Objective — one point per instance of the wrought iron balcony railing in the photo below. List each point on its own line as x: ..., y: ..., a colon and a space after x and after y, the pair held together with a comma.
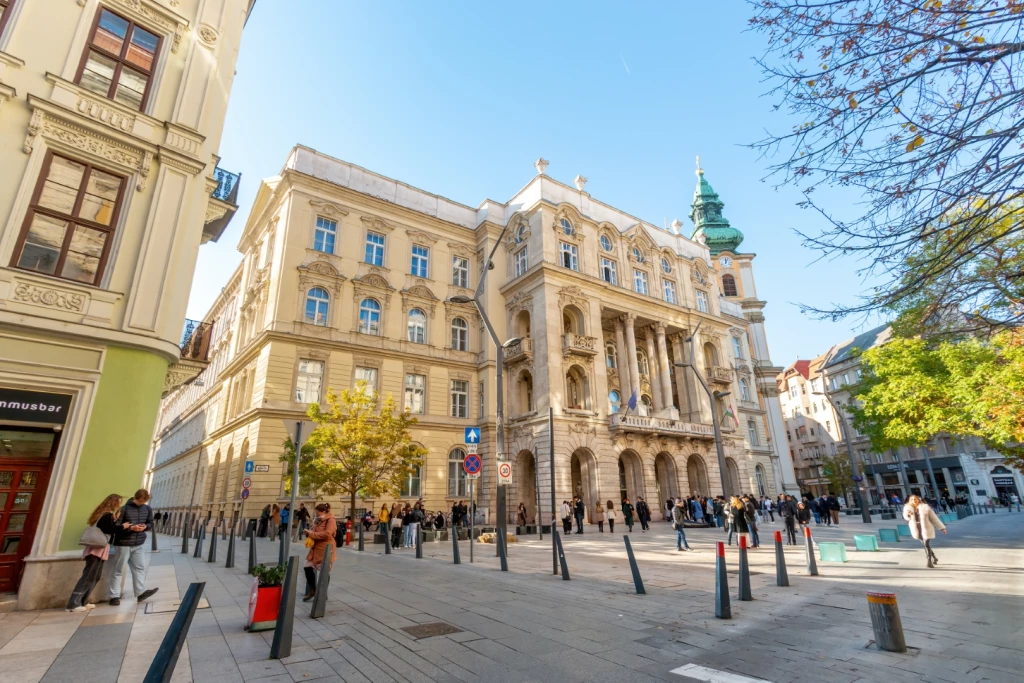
x: 227, y: 185
x: 195, y: 340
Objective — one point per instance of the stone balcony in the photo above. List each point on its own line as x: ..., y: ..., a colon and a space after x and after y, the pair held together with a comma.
x: 580, y: 344
x: 522, y: 349
x: 195, y: 355
x: 620, y: 422
x: 720, y: 375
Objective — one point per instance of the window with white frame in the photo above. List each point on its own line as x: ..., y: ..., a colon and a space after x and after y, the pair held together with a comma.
x: 420, y: 261
x: 374, y: 249
x: 744, y: 390
x: 666, y: 265
x: 640, y: 282
x: 323, y: 236
x: 411, y: 484
x: 670, y: 291
x: 606, y: 243
x: 460, y: 335
x: 522, y: 263
x: 570, y: 255
x: 609, y: 271
x: 737, y: 347
x: 369, y: 317
x: 638, y: 255
x: 368, y: 375
x: 702, y: 300
x: 460, y: 398
x: 567, y: 227
x: 417, y: 326
x: 752, y: 433
x: 460, y: 271
x: 309, y: 381
x: 457, y: 487
x: 318, y: 303
x: 415, y: 393
x: 609, y: 354
x: 614, y: 399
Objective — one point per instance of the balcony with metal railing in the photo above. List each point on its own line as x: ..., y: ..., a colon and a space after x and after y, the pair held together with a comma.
x: 195, y: 355
x: 222, y: 205
x: 522, y: 349
x: 621, y: 422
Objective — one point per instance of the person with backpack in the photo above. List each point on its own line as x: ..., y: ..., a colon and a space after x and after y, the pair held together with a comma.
x: 102, y: 524
x: 135, y: 519
x: 833, y: 509
x: 787, y: 509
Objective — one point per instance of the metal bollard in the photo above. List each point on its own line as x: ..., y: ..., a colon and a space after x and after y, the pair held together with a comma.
x: 744, y: 578
x: 387, y: 538
x: 153, y: 547
x: 637, y: 581
x: 162, y: 668
x: 456, y: 558
x: 361, y: 543
x: 502, y: 553
x: 199, y: 543
x: 184, y: 538
x: 229, y: 563
x: 723, y: 610
x: 252, y: 550
x: 561, y: 554
x: 282, y: 558
x: 213, y: 547
x: 812, y: 565
x: 781, y: 575
x: 885, y: 620
x: 419, y: 541
x: 323, y: 583
x: 282, y: 645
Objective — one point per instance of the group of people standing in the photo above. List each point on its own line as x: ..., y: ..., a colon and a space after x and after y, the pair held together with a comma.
x: 606, y: 512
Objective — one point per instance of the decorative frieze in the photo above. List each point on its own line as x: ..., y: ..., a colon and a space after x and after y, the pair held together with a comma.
x: 61, y: 300
x: 155, y: 16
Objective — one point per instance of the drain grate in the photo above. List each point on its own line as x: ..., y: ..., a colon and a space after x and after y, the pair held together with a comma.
x: 437, y: 628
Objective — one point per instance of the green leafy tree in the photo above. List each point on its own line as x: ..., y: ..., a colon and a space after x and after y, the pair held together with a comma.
x: 836, y: 469
x: 356, y: 450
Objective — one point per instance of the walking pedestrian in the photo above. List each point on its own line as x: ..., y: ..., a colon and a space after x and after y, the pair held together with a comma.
x: 104, y: 519
x: 678, y: 517
x: 135, y: 520
x: 302, y: 517
x: 566, y: 517
x: 833, y: 509
x: 769, y: 507
x: 264, y: 522
x: 627, y: 514
x: 1015, y: 500
x: 739, y: 519
x: 284, y: 515
x: 580, y: 511
x: 275, y: 522
x: 321, y: 533
x: 599, y: 517
x: 521, y: 515
x: 788, y: 512
x: 612, y: 515
x: 643, y: 513
x: 923, y: 522
x: 814, y: 509
x: 670, y: 506
x: 750, y: 512
x: 719, y: 505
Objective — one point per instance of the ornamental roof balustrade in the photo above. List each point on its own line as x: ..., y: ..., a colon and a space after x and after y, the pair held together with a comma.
x: 621, y: 422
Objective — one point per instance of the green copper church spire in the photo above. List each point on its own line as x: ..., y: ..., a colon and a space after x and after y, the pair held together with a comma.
x: 706, y: 214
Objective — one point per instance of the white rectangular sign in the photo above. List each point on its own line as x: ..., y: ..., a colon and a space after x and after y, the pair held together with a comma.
x: 504, y: 473
x: 472, y: 448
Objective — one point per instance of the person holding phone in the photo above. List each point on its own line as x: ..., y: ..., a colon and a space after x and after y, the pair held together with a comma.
x: 135, y: 520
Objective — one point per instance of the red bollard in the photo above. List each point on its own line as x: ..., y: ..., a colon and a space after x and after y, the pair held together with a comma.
x: 812, y: 566
x: 744, y: 592
x: 722, y: 608
x: 348, y: 532
x: 781, y: 576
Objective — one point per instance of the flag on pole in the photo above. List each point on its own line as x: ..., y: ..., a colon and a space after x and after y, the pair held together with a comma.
x: 730, y: 413
x: 632, y: 401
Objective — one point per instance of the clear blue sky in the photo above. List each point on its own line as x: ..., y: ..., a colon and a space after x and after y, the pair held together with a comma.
x: 460, y: 98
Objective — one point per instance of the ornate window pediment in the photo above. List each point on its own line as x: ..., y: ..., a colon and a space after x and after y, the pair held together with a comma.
x: 699, y: 272
x: 376, y: 223
x: 328, y: 209
x: 319, y: 273
x: 571, y: 294
x: 518, y: 232
x: 568, y: 224
x: 461, y: 250
x: 419, y: 296
x: 420, y: 237
x: 375, y: 285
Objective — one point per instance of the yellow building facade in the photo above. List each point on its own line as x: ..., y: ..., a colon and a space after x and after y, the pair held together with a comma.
x: 348, y: 275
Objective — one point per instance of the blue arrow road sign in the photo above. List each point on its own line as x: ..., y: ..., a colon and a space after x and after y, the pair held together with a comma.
x: 472, y: 435
x: 250, y: 466
x: 472, y: 464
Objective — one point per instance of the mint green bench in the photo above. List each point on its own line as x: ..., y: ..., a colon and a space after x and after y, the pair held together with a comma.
x: 888, y: 536
x: 903, y: 529
x: 832, y: 552
x: 865, y: 542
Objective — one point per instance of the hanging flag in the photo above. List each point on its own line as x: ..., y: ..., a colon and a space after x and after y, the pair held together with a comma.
x: 729, y: 413
x: 632, y: 401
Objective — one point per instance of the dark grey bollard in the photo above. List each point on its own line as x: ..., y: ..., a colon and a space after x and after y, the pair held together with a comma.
x: 885, y: 620
x: 223, y: 529
x: 723, y: 610
x: 153, y: 547
x: 184, y: 538
x: 323, y: 583
x: 418, y: 541
x: 387, y: 538
x: 199, y: 543
x: 252, y: 550
x: 638, y: 582
x: 502, y: 552
x: 212, y: 557
x: 282, y: 645
x: 812, y: 565
x: 229, y: 563
x: 361, y: 530
x: 781, y: 575
x: 457, y: 559
x: 162, y: 668
x: 281, y: 557
x: 561, y: 554
x: 744, y: 594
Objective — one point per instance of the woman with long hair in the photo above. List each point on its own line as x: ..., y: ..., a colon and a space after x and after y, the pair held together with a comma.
x: 923, y: 522
x: 104, y: 517
x: 737, y: 519
x: 322, y: 532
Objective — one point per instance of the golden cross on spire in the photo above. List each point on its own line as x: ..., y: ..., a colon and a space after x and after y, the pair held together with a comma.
x: 700, y: 171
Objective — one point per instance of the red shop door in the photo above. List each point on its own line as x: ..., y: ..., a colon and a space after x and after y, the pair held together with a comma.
x: 25, y: 461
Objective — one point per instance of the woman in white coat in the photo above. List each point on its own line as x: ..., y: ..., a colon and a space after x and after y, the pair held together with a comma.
x: 923, y: 522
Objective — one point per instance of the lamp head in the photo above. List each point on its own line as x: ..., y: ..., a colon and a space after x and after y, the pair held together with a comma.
x: 721, y: 394
x: 460, y: 299
x: 511, y: 342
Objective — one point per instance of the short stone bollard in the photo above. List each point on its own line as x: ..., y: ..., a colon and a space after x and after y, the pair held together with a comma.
x: 888, y: 536
x: 885, y: 620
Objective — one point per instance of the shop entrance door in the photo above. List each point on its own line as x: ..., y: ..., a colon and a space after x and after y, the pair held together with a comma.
x: 26, y: 456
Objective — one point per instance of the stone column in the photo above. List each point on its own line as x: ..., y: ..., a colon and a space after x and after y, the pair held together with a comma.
x: 950, y: 485
x: 634, y: 368
x: 682, y: 383
x: 625, y: 381
x: 666, y: 376
x: 652, y: 369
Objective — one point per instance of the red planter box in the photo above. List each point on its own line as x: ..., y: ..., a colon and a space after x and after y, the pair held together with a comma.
x: 264, y: 604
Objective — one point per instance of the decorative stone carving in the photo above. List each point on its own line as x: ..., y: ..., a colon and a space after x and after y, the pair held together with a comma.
x: 459, y: 249
x: 420, y: 236
x: 419, y: 296
x: 327, y: 209
x: 520, y: 301
x: 129, y: 158
x: 582, y: 428
x: 148, y: 12
x: 317, y: 273
x: 754, y: 316
x: 106, y: 114
x: 207, y: 35
x: 459, y: 374
x: 376, y: 223
x: 144, y: 168
x: 571, y: 294
x: 51, y: 298
x: 313, y: 353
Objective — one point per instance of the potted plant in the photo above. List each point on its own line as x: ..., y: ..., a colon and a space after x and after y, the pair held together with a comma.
x: 265, y: 597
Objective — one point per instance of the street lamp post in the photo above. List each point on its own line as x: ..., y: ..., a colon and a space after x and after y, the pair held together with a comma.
x: 712, y: 396
x: 862, y: 499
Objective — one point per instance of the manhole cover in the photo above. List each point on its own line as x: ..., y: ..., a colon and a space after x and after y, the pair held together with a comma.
x: 437, y: 628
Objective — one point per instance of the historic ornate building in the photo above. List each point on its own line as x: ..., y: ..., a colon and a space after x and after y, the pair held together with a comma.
x: 111, y: 114
x: 348, y: 275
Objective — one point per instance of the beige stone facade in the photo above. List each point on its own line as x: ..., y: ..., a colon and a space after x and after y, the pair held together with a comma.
x: 348, y: 275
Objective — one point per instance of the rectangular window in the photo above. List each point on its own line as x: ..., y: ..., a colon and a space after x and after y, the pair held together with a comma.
x: 415, y: 386
x: 522, y: 264
x: 702, y: 301
x: 752, y: 433
x: 420, y: 261
x: 670, y: 292
x: 374, y: 249
x: 411, y: 485
x: 323, y: 237
x: 368, y: 375
x: 640, y: 282
x: 460, y: 398
x: 311, y: 377
x: 119, y: 60
x: 737, y: 347
x: 570, y: 255
x: 609, y: 272
x: 70, y: 222
x: 460, y: 271
x: 5, y: 11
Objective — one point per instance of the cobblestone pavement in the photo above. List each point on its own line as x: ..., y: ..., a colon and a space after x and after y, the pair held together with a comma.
x: 961, y: 619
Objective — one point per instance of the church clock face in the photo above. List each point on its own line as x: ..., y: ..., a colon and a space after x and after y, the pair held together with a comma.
x: 725, y: 261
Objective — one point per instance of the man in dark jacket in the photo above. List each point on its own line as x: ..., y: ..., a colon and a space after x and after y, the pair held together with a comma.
x: 136, y: 518
x: 579, y: 511
x: 787, y: 508
x: 833, y: 509
x: 644, y: 513
x: 750, y: 512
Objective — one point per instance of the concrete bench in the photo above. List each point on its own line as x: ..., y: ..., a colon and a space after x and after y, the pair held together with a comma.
x: 903, y: 530
x: 832, y: 552
x: 888, y: 536
x: 865, y: 542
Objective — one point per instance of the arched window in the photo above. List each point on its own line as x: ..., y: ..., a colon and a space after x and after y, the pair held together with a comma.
x: 567, y: 227
x: 646, y: 401
x: 613, y: 400
x: 606, y: 243
x: 729, y: 285
x: 456, y: 474
x: 665, y: 265
x: 460, y: 335
x: 577, y: 389
x: 411, y: 484
x: 369, y: 317
x: 318, y: 303
x: 638, y: 255
x: 417, y: 326
x: 641, y: 361
x: 744, y: 390
x: 609, y: 354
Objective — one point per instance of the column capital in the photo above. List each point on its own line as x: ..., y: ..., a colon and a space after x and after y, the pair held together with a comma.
x: 629, y: 318
x: 659, y: 327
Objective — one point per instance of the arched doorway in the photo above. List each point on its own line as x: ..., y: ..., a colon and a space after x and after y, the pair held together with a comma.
x: 583, y: 467
x: 526, y: 486
x: 733, y: 474
x: 697, y: 475
x: 710, y: 355
x: 666, y: 480
x: 631, y: 476
x: 573, y: 320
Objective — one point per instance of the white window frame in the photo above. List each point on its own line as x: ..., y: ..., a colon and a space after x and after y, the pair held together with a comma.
x: 755, y: 440
x: 702, y: 301
x: 460, y: 271
x: 458, y: 486
x: 609, y: 271
x: 416, y: 475
x: 737, y: 347
x: 325, y: 227
x: 459, y: 398
x: 308, y: 384
x: 374, y: 254
x: 325, y: 301
x: 669, y: 287
x: 370, y: 375
x: 640, y: 282
x: 460, y: 335
x: 415, y: 387
x: 420, y: 262
x: 417, y: 334
x: 565, y: 250
x: 744, y: 390
x: 522, y: 262
x: 369, y: 326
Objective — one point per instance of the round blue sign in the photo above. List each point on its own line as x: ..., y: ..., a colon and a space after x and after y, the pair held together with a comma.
x: 245, y: 493
x: 472, y: 464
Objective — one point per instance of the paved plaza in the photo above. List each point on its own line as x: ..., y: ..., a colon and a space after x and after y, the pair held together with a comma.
x: 962, y: 620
